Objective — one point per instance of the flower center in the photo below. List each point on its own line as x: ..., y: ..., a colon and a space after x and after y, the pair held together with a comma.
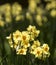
x: 21, y: 51
x: 24, y: 37
x: 17, y: 36
x: 38, y: 52
x: 46, y: 49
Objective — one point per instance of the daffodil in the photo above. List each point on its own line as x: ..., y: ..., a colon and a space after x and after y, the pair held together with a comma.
x: 46, y: 52
x: 2, y: 23
x: 17, y: 36
x: 34, y: 46
x: 39, y: 19
x: 38, y: 52
x: 25, y: 44
x: 45, y: 47
x: 21, y: 51
x: 8, y: 19
x: 25, y: 36
x: 10, y: 40
x: 19, y: 17
x: 32, y: 51
x: 31, y: 28
x: 33, y: 32
x: 37, y: 43
x: 53, y: 13
x: 32, y: 6
x: 16, y: 9
x: 28, y: 16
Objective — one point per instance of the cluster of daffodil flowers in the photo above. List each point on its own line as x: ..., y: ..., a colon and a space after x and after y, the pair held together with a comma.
x: 40, y: 52
x: 35, y: 11
x: 26, y: 41
x: 51, y: 7
x: 9, y: 12
x: 39, y: 12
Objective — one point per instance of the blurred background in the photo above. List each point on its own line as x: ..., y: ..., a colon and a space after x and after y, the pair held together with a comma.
x: 18, y: 15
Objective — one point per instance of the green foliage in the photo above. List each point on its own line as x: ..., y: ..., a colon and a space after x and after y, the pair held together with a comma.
x: 47, y: 34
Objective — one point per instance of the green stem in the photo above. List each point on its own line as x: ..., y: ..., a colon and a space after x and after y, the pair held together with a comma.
x: 3, y: 59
